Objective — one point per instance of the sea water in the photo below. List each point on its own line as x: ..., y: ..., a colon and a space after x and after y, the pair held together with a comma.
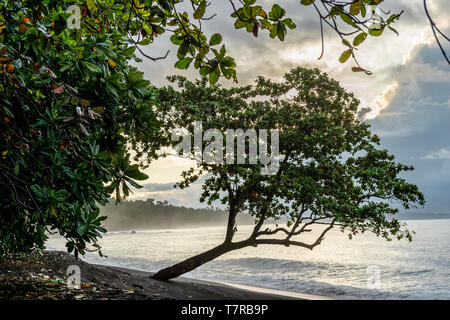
x: 366, y: 267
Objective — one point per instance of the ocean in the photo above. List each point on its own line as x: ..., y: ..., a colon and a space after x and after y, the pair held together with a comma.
x: 365, y: 267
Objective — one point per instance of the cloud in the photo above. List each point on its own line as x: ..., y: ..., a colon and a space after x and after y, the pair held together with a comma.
x: 441, y: 154
x: 156, y: 187
x: 417, y: 101
x: 415, y: 123
x: 382, y: 101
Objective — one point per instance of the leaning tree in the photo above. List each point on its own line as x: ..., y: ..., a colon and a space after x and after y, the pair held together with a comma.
x: 332, y: 173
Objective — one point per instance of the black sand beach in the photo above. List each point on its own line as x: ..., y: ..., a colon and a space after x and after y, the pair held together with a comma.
x: 44, y: 278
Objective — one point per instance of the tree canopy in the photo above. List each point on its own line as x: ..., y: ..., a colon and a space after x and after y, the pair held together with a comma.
x: 70, y: 104
x: 333, y: 173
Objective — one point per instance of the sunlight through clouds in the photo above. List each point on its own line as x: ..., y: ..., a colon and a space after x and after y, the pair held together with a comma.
x: 382, y: 101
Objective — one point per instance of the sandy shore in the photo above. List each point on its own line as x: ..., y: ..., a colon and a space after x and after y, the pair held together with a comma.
x: 109, y: 282
x: 187, y: 288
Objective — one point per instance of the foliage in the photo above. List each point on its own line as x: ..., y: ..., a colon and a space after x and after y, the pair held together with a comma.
x: 145, y: 21
x: 352, y: 21
x: 70, y: 103
x: 333, y: 172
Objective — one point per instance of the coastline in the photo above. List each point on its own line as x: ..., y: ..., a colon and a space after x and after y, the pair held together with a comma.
x: 228, y: 290
x: 44, y: 278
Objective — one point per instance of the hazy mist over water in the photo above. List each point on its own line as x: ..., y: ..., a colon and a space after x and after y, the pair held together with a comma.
x: 151, y: 214
x: 337, y: 268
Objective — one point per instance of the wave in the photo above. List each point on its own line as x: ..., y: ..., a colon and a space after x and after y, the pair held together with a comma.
x: 415, y: 272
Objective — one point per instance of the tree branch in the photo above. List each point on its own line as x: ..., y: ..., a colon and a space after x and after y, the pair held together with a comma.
x: 435, y: 29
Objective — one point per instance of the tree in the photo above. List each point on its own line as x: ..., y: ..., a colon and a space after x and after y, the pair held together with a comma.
x: 332, y: 175
x: 72, y: 106
x: 69, y: 104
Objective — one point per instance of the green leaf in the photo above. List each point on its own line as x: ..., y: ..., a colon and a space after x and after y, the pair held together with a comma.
x: 246, y: 12
x: 183, y: 50
x: 198, y: 14
x: 145, y: 42
x: 91, y: 5
x: 222, y: 52
x: 134, y: 173
x: 125, y: 189
x: 81, y: 230
x: 204, y: 71
x: 359, y: 39
x: 129, y: 51
x: 66, y: 67
x: 345, y: 56
x: 392, y: 18
x: 266, y: 23
x: 363, y: 10
x: 307, y: 2
x: 345, y: 17
x: 70, y: 246
x: 289, y: 23
x: 214, y: 76
x: 256, y: 10
x: 274, y: 31
x: 376, y: 32
x: 355, y: 8
x: 239, y: 24
x: 183, y: 63
x: 228, y: 62
x: 276, y: 13
x: 134, y: 184
x: 281, y: 31
x: 175, y: 40
x: 216, y: 39
x: 92, y: 67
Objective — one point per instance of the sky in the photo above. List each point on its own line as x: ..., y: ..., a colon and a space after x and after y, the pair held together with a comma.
x: 406, y: 99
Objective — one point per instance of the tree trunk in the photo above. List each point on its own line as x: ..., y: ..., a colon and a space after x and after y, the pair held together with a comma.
x: 196, y: 261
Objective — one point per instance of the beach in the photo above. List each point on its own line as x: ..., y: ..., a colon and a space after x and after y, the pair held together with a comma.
x: 338, y: 268
x: 102, y: 282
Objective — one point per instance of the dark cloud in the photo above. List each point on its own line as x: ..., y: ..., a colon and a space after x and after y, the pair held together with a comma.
x: 156, y: 187
x: 363, y: 112
x: 416, y: 125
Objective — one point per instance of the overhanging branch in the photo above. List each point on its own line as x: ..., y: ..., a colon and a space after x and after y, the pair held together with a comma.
x: 436, y: 31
